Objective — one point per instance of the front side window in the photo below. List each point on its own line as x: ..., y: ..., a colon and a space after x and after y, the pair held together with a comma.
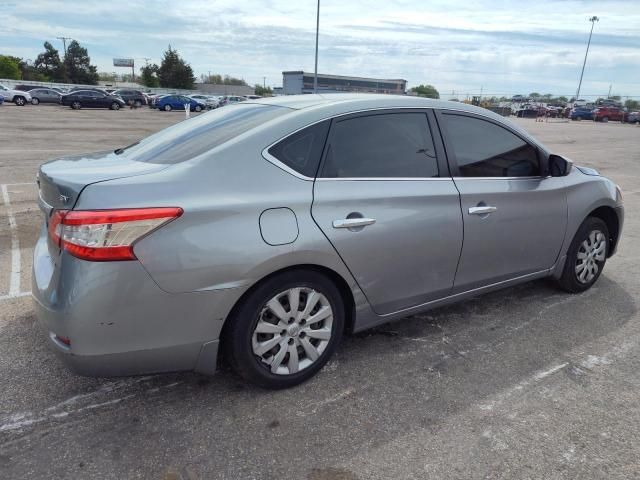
x: 377, y: 146
x: 484, y: 149
x: 302, y: 150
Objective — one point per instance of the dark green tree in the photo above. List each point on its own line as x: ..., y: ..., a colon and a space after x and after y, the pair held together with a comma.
x: 632, y: 105
x: 10, y: 68
x: 260, y: 90
x: 426, y: 91
x: 49, y: 65
x: 534, y: 95
x: 149, y: 76
x: 77, y: 64
x: 174, y: 72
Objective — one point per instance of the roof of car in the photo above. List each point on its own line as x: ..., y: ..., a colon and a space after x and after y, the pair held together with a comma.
x: 321, y: 106
x: 356, y: 101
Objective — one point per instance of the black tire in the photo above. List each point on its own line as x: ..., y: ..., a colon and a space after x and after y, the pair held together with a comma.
x: 19, y: 100
x: 198, y: 108
x: 35, y: 101
x: 76, y: 105
x: 167, y: 108
x: 115, y: 106
x: 239, y: 330
x: 569, y: 280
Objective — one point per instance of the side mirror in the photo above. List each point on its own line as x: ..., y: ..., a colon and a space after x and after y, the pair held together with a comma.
x: 559, y: 166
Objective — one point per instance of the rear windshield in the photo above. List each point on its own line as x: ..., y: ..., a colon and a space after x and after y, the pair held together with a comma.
x: 191, y: 138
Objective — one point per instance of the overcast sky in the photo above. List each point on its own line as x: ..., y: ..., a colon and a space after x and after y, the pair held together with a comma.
x: 503, y: 47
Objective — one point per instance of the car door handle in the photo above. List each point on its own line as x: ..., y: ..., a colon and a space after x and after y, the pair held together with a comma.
x: 482, y: 210
x: 353, y: 222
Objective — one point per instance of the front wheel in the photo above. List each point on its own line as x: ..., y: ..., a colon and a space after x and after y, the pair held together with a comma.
x: 167, y: 108
x: 76, y: 105
x: 35, y: 101
x: 115, y: 106
x: 285, y: 330
x: 19, y: 101
x: 586, y: 256
x: 198, y: 108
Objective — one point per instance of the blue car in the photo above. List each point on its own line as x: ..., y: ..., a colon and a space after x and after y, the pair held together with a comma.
x: 581, y: 113
x: 177, y: 102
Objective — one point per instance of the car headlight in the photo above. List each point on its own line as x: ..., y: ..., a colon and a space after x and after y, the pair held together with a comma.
x: 618, y: 194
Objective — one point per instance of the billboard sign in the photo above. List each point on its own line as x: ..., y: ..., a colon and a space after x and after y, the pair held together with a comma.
x: 123, y: 62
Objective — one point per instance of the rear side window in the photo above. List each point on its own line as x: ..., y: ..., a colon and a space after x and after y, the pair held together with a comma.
x: 484, y: 149
x: 387, y: 145
x: 302, y: 150
x: 198, y: 135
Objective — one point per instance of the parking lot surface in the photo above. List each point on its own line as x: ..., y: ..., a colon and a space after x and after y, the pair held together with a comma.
x: 525, y: 383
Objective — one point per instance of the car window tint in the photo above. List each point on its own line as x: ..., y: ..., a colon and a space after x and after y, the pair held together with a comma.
x: 388, y: 145
x: 302, y: 150
x: 198, y: 135
x: 484, y: 149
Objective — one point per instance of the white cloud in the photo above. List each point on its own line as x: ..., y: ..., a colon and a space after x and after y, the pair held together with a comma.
x: 501, y: 46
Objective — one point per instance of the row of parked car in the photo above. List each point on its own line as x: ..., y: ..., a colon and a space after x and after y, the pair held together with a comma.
x: 599, y: 113
x: 114, y: 99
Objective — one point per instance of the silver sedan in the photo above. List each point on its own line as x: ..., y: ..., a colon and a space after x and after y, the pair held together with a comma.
x: 266, y: 230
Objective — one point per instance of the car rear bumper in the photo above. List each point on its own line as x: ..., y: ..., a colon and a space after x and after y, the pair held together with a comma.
x: 119, y: 322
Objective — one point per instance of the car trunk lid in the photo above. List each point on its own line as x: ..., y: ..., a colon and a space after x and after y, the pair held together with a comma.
x: 61, y: 181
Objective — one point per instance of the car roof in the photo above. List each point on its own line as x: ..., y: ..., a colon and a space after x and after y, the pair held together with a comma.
x: 314, y: 107
x: 362, y: 101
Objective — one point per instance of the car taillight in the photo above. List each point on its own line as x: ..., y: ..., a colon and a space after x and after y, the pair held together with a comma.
x: 106, y: 235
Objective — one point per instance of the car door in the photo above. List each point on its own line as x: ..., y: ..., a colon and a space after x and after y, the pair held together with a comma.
x: 514, y: 216
x: 384, y: 199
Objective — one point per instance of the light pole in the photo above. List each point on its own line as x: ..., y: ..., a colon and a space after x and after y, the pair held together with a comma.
x: 315, y: 72
x: 593, y: 21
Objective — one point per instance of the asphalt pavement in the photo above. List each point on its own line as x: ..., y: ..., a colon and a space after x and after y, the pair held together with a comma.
x: 526, y: 383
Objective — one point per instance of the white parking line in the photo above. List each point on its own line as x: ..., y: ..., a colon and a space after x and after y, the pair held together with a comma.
x: 14, y: 282
x: 9, y: 297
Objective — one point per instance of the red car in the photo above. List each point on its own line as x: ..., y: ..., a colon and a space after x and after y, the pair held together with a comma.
x: 605, y: 113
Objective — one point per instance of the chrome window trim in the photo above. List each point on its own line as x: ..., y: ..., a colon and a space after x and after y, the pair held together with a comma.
x: 270, y: 158
x: 369, y: 179
x: 535, y: 177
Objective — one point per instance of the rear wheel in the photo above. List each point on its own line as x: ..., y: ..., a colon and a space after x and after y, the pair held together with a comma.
x: 198, y: 108
x: 115, y: 106
x: 21, y: 101
x: 76, y: 105
x: 35, y: 101
x: 167, y: 108
x: 586, y: 256
x: 286, y: 329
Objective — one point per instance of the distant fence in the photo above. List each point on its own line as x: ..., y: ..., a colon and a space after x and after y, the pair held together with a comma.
x: 210, y: 88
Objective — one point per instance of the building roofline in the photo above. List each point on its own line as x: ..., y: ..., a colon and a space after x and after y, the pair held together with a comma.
x: 328, y: 75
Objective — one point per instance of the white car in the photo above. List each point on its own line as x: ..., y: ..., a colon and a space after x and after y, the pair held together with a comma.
x: 16, y: 96
x: 209, y: 100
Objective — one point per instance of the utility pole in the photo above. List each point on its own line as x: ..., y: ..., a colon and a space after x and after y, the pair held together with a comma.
x: 315, y: 72
x: 64, y: 43
x: 609, y: 94
x: 264, y: 82
x: 593, y: 21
